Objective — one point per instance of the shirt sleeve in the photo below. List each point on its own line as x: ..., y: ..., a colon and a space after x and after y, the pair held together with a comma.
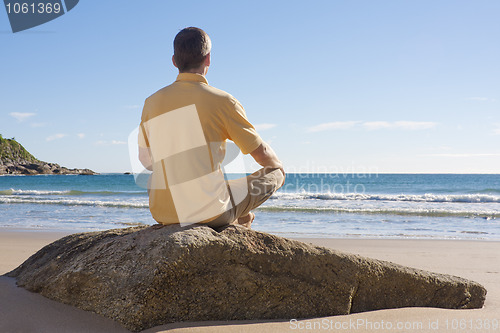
x: 240, y: 130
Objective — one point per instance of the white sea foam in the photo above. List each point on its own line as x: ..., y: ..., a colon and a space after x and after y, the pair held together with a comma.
x: 428, y: 197
x: 403, y: 211
x: 67, y: 192
x: 69, y: 202
x: 32, y: 192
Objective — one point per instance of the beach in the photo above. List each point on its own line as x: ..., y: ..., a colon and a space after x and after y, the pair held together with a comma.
x: 23, y: 311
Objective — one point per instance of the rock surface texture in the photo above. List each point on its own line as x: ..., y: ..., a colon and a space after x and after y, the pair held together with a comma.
x: 148, y: 276
x: 40, y: 168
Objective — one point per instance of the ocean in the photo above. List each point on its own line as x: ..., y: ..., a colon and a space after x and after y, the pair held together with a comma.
x: 415, y: 206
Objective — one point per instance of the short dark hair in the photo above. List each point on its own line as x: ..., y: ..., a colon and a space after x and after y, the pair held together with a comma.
x: 191, y: 47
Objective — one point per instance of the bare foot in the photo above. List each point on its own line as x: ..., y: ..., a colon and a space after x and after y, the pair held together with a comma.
x: 246, y: 220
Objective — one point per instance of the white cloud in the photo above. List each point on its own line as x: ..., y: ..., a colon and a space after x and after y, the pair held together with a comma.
x: 109, y: 143
x: 21, y: 116
x: 496, y: 131
x: 481, y: 99
x: 404, y: 125
x: 464, y: 155
x: 263, y: 127
x: 56, y: 137
x: 374, y: 125
x: 336, y: 125
x: 81, y: 135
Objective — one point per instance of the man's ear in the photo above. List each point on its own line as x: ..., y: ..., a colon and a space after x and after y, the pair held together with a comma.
x: 207, y: 60
x: 173, y: 61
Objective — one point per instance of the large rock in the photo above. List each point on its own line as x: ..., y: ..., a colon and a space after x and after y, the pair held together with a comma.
x: 147, y: 276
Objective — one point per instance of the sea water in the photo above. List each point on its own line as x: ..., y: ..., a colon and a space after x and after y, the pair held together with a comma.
x: 431, y: 206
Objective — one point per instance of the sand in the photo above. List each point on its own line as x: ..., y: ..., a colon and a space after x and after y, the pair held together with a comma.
x: 22, y: 311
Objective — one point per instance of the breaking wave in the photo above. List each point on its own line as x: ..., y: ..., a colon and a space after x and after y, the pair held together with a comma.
x: 428, y: 197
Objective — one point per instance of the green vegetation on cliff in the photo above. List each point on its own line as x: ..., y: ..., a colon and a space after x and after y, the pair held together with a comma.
x: 13, y: 151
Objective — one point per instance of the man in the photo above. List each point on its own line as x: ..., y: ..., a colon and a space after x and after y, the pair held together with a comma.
x: 182, y: 139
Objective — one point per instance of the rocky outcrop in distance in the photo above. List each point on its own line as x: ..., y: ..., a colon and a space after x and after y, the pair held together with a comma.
x: 41, y: 168
x: 147, y: 276
x: 16, y: 160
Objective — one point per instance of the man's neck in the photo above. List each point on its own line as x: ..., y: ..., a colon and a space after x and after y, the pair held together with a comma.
x: 189, y: 72
x: 202, y: 71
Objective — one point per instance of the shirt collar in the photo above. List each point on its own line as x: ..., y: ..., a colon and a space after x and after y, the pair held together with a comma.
x: 191, y: 77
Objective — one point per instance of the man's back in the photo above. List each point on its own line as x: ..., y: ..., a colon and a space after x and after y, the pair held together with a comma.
x: 186, y: 125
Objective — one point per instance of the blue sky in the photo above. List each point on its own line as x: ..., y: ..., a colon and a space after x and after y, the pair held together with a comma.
x: 336, y: 86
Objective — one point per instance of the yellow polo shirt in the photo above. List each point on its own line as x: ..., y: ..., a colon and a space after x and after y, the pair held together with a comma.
x: 185, y: 127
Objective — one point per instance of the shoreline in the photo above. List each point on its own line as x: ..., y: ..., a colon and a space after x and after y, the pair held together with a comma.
x: 472, y: 259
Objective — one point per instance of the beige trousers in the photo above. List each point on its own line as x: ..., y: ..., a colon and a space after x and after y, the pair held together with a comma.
x: 261, y: 185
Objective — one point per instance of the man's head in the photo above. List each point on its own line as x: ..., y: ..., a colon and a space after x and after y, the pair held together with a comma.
x: 191, y: 49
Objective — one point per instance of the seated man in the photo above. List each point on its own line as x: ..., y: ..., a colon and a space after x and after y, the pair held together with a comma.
x: 182, y: 139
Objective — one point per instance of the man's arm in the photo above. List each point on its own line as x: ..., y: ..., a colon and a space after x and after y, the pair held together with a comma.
x: 266, y: 157
x: 145, y: 158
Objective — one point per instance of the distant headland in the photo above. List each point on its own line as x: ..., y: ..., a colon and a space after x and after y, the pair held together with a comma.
x: 16, y: 160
